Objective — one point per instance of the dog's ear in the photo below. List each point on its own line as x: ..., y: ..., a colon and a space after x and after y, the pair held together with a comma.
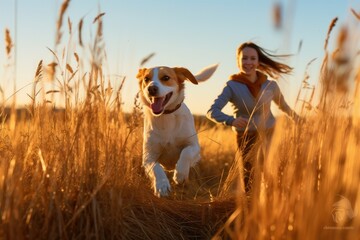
x: 141, y: 73
x: 184, y: 74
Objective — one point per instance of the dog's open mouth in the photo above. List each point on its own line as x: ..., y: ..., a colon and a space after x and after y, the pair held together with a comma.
x: 158, y: 103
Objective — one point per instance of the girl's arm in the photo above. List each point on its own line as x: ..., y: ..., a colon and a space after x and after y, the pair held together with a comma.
x: 215, y: 113
x: 280, y: 101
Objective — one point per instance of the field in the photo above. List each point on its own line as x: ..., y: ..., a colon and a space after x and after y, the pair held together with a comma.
x: 75, y: 172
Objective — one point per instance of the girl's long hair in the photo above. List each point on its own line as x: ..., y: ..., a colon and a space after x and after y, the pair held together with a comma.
x: 266, y: 63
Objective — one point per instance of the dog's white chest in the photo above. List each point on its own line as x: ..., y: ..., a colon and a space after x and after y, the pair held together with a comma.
x: 171, y: 129
x: 167, y: 135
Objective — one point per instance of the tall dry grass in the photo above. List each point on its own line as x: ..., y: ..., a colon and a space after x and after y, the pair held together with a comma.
x: 76, y: 173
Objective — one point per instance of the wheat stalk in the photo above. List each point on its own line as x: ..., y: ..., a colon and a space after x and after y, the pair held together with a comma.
x: 64, y: 7
x: 331, y: 26
x: 357, y: 15
x: 8, y: 42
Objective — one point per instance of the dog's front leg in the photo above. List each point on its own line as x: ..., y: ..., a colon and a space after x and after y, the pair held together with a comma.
x: 159, y: 179
x: 189, y: 156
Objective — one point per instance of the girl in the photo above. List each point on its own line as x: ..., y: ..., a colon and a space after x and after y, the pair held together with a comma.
x: 250, y: 93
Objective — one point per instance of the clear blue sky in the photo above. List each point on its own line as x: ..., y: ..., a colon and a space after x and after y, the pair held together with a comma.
x: 188, y: 33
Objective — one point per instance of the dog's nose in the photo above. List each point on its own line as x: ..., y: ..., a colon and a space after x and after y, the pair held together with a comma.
x: 153, y: 90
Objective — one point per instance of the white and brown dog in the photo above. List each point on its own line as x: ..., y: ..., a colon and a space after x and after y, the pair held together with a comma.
x: 170, y: 139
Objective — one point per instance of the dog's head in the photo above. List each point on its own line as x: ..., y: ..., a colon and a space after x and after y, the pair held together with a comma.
x: 162, y: 88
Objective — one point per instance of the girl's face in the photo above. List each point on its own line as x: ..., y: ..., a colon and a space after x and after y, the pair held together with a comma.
x: 248, y: 61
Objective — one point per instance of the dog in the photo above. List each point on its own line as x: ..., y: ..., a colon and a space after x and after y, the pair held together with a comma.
x: 170, y: 141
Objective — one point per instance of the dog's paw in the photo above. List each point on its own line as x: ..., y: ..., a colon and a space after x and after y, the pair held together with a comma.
x: 181, y: 173
x: 162, y: 188
x: 180, y: 176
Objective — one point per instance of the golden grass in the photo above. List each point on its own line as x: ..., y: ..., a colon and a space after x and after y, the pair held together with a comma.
x: 64, y: 7
x: 76, y: 173
x: 8, y: 42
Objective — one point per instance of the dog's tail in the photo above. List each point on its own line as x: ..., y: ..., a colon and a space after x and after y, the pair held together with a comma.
x: 206, y: 73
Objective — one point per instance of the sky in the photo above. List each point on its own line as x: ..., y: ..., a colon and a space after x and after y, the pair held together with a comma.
x: 186, y: 33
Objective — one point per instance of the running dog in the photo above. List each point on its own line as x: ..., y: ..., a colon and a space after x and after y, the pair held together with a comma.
x: 170, y: 140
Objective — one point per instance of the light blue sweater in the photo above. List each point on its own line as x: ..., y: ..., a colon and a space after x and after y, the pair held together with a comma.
x: 244, y: 104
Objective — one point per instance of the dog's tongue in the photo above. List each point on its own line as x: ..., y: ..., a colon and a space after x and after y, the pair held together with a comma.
x: 157, y: 105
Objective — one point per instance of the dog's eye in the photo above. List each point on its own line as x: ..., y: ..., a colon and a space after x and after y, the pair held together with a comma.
x: 165, y: 78
x: 146, y: 79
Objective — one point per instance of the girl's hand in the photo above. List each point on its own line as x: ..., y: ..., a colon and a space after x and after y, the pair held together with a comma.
x: 240, y: 122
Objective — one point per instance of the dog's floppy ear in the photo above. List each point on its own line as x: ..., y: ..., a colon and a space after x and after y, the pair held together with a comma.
x: 184, y: 74
x: 141, y: 73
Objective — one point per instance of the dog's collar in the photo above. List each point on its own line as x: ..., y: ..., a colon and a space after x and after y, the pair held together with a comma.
x: 172, y: 110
